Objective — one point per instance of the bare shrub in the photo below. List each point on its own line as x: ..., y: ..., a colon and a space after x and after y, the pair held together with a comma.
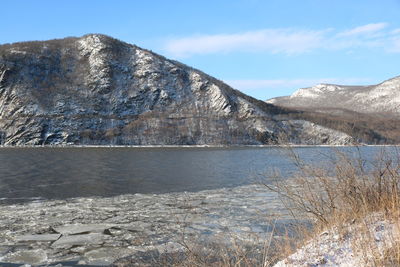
x: 347, y: 191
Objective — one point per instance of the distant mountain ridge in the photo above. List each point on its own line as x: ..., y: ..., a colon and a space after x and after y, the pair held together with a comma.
x: 375, y: 107
x: 383, y: 98
x: 96, y: 90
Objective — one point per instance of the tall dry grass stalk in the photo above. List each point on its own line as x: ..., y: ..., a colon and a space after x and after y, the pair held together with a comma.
x: 346, y: 192
x: 346, y: 189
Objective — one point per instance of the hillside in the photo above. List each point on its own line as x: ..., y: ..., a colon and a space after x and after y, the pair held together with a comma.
x: 372, y: 107
x: 383, y: 98
x: 96, y: 90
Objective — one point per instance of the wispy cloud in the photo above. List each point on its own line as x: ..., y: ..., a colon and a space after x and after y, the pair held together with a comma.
x: 288, y: 41
x: 395, y: 31
x: 272, y: 40
x: 365, y: 29
x: 395, y: 47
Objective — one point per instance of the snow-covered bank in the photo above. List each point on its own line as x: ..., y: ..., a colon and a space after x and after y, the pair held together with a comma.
x: 362, y: 243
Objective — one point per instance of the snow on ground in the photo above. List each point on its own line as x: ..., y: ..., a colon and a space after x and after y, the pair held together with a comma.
x: 357, y: 244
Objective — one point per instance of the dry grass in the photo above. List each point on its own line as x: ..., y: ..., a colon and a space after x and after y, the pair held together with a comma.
x: 391, y: 256
x: 347, y: 193
x: 348, y: 189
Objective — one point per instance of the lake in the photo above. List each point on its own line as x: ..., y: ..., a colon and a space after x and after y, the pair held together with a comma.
x: 133, y: 202
x: 59, y: 173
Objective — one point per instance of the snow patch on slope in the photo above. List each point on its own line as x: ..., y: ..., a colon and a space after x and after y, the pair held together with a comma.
x: 315, y: 91
x: 357, y: 244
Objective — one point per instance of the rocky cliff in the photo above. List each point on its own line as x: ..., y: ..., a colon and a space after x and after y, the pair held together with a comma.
x: 96, y: 90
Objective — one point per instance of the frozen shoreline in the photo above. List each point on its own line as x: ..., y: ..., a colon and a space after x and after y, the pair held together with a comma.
x: 99, y: 231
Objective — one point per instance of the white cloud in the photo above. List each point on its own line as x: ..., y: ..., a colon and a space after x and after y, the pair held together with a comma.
x: 371, y: 28
x: 395, y: 47
x: 395, y: 31
x: 287, y: 41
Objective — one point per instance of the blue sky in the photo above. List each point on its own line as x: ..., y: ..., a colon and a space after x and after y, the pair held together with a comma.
x: 263, y: 48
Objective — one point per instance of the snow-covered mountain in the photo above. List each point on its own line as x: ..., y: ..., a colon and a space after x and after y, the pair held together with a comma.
x: 96, y: 90
x: 383, y: 98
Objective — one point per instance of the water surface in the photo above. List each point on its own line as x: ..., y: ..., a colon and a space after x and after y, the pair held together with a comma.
x: 58, y: 173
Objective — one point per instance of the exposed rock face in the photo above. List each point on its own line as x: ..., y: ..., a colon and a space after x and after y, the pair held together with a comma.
x: 381, y: 98
x: 96, y: 90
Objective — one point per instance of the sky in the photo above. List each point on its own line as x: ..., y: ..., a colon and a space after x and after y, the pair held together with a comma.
x: 264, y: 48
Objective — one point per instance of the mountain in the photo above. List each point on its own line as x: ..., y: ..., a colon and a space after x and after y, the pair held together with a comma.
x: 96, y: 90
x: 383, y: 98
x: 375, y: 106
